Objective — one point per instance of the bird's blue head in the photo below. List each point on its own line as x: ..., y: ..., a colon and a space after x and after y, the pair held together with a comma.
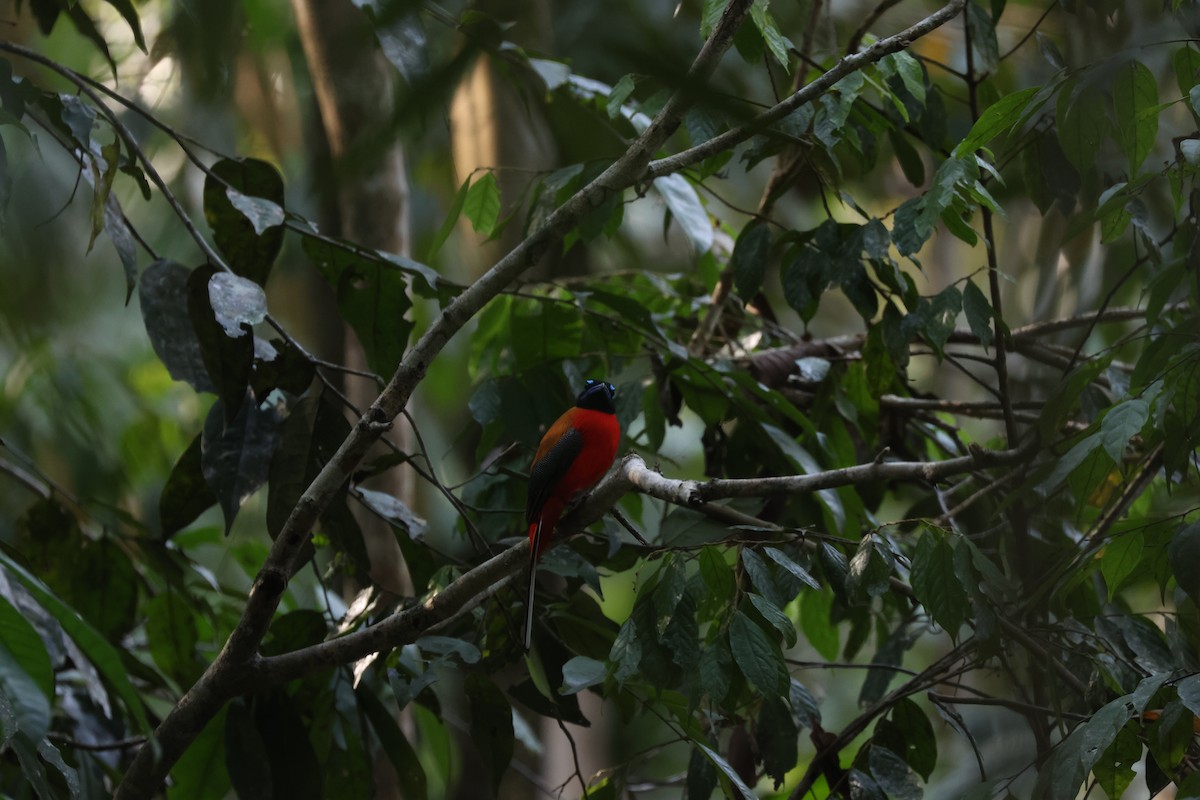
x: 597, y: 396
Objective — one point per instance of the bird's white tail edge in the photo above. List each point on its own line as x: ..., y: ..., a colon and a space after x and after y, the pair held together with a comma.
x: 533, y: 559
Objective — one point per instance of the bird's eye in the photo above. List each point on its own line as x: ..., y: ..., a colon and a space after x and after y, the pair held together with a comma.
x: 589, y: 382
x: 611, y: 388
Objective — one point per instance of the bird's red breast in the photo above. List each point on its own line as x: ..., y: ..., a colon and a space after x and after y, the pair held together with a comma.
x: 573, y: 455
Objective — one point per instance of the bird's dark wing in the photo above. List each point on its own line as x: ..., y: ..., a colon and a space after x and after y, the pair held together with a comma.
x: 549, y: 469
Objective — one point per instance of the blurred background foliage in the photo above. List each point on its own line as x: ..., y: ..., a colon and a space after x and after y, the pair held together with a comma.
x: 361, y: 216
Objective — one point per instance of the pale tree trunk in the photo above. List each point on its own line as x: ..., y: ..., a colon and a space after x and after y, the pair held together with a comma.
x: 353, y: 83
x: 492, y: 125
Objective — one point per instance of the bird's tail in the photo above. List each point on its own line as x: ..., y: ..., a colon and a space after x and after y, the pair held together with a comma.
x: 535, y: 548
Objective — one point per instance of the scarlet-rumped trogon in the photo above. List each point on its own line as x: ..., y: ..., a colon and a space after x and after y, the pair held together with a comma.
x: 573, y: 455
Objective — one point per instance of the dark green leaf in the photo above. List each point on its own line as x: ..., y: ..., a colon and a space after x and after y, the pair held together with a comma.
x: 701, y: 776
x: 1082, y: 124
x: 245, y: 753
x: 782, y: 559
x: 757, y: 656
x: 200, y: 773
x: 869, y: 571
x: 296, y: 771
x: 1186, y: 61
x: 410, y: 773
x: 894, y: 776
x: 171, y: 636
x: 979, y: 313
x: 749, y: 259
x: 372, y: 297
x: 1184, y: 555
x: 236, y: 455
x: 889, y: 654
x: 739, y: 786
x: 775, y: 618
x: 1135, y: 93
x: 983, y: 38
x: 163, y: 295
x: 716, y: 664
x: 1122, y: 422
x: 935, y: 583
x: 243, y: 203
x: 910, y: 160
x: 920, y: 743
x: 1114, y: 769
x: 776, y: 734
x: 26, y: 675
x: 491, y: 726
x: 1121, y: 557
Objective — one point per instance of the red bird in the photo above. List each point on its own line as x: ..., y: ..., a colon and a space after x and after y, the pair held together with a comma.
x: 573, y: 455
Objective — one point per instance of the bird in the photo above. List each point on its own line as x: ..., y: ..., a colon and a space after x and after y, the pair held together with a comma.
x: 572, y: 457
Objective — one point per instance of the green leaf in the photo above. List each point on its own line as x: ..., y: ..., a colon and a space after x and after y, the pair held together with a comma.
x: 1082, y: 124
x: 619, y: 94
x: 1121, y: 556
x: 491, y: 726
x: 245, y: 753
x: 920, y: 747
x: 782, y: 559
x: 749, y: 259
x: 910, y: 160
x: 775, y: 41
x: 776, y: 734
x: 759, y: 658
x: 1114, y: 770
x: 103, y: 656
x: 372, y: 297
x: 163, y: 297
x: 775, y: 618
x: 1186, y: 61
x: 26, y: 674
x: 581, y: 673
x: 999, y: 116
x: 819, y: 629
x: 935, y: 583
x: 688, y: 210
x: 171, y: 636
x: 1073, y: 458
x: 869, y: 571
x: 1135, y: 93
x: 728, y: 771
x: 443, y: 233
x: 243, y: 204
x: 1122, y: 422
x: 1184, y: 554
x: 983, y: 38
x: 482, y: 204
x: 978, y: 312
x: 715, y: 668
x: 126, y: 9
x: 236, y: 455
